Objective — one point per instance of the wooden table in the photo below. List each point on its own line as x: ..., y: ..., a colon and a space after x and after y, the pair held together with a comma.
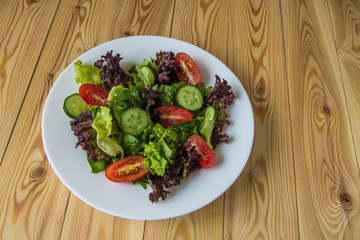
x: 299, y: 62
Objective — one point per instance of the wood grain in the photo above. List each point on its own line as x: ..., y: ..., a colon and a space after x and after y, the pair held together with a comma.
x: 262, y: 202
x: 34, y: 202
x: 345, y: 17
x: 23, y: 30
x: 299, y: 61
x: 202, y: 24
x: 327, y: 177
x: 93, y: 224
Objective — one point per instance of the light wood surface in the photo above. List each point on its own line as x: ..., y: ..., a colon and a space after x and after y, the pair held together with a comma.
x: 299, y: 61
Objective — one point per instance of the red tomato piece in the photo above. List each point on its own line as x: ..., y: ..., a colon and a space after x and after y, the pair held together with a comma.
x: 190, y: 73
x: 171, y: 115
x: 207, y: 159
x: 126, y: 169
x: 93, y: 94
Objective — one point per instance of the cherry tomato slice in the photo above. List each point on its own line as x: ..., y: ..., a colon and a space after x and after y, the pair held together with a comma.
x: 190, y: 73
x: 171, y: 115
x: 93, y: 94
x: 126, y: 169
x: 207, y: 159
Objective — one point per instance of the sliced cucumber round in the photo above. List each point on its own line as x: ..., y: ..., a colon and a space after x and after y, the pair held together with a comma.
x: 134, y: 121
x: 74, y: 105
x: 190, y: 98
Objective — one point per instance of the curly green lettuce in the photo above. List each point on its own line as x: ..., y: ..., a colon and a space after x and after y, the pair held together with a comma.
x: 87, y: 74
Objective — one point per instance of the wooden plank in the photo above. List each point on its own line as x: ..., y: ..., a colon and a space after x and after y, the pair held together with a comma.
x: 345, y: 17
x: 89, y: 223
x: 33, y: 201
x: 327, y: 177
x: 200, y: 23
x: 262, y: 202
x: 23, y: 30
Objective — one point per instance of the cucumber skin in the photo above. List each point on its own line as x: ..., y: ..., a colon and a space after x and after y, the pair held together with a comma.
x: 68, y: 111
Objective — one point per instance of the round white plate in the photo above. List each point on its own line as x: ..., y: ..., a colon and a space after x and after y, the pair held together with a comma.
x: 132, y: 201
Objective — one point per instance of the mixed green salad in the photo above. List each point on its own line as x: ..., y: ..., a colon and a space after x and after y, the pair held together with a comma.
x: 152, y: 124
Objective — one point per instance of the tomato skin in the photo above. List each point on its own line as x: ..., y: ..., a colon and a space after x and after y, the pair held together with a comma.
x: 190, y: 73
x: 126, y: 169
x: 207, y: 159
x: 93, y: 94
x: 171, y: 115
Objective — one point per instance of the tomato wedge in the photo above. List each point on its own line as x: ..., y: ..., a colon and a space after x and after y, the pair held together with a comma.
x: 126, y: 169
x: 93, y: 94
x: 171, y: 115
x: 207, y: 159
x: 190, y: 73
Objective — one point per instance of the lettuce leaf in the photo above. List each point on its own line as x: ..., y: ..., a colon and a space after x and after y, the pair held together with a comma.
x: 98, y: 166
x: 110, y: 71
x: 86, y: 136
x: 155, y: 162
x: 220, y: 98
x: 114, y: 92
x: 168, y: 93
x: 143, y: 79
x: 165, y: 61
x: 159, y: 154
x: 207, y: 124
x: 87, y: 74
x: 131, y: 144
x: 102, y: 123
x: 110, y: 145
x: 185, y: 162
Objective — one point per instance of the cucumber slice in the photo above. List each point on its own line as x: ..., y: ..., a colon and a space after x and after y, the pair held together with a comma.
x: 134, y: 121
x: 190, y: 98
x: 74, y: 105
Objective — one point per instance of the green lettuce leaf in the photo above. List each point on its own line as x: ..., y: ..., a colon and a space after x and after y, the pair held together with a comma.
x: 98, y: 166
x: 207, y: 124
x: 131, y: 144
x: 110, y: 145
x: 142, y: 77
x: 168, y: 93
x: 103, y: 124
x: 154, y: 160
x: 87, y: 74
x: 114, y: 92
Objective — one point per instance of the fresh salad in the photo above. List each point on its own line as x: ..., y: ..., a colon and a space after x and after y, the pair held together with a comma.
x: 153, y: 124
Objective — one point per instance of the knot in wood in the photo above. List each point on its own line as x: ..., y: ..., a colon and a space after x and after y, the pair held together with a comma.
x: 38, y: 173
x: 77, y: 9
x: 326, y: 110
x: 51, y: 76
x: 357, y: 28
x: 260, y: 90
x: 127, y: 33
x: 32, y: 1
x: 345, y: 200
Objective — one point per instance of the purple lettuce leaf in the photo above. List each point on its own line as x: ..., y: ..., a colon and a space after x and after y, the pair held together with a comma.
x: 220, y: 98
x: 110, y: 71
x: 185, y: 163
x: 86, y: 135
x: 153, y: 100
x: 165, y: 61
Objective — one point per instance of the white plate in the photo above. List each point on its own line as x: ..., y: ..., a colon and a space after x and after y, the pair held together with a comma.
x: 131, y: 201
